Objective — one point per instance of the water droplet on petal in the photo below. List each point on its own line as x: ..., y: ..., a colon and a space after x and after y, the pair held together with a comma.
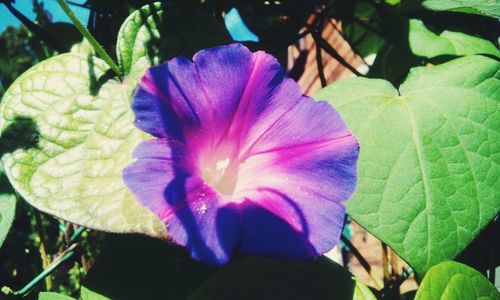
x: 203, y: 208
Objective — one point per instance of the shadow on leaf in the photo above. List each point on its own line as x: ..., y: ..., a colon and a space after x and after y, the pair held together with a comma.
x: 21, y: 133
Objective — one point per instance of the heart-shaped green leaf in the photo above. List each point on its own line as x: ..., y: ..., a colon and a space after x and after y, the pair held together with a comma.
x: 429, y: 176
x: 160, y: 31
x: 424, y: 42
x: 490, y: 8
x: 451, y: 280
x: 68, y: 132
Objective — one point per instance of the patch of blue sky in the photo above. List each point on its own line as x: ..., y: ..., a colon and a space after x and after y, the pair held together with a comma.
x: 237, y: 28
x: 26, y: 8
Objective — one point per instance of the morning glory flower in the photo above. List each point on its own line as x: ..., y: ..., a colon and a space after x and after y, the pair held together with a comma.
x: 240, y: 159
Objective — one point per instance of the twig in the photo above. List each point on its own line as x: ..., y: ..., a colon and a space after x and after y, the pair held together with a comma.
x: 385, y: 263
x: 43, y: 250
x: 330, y: 50
x: 319, y: 62
x: 361, y: 260
x: 395, y: 285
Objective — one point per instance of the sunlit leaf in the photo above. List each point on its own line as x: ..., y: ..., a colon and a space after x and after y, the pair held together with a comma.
x: 67, y: 133
x: 53, y: 296
x: 87, y: 294
x: 451, y: 281
x: 7, y: 212
x: 489, y: 8
x: 429, y: 176
x: 424, y: 42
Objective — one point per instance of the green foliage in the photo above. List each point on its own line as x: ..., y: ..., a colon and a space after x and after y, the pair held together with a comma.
x: 424, y: 42
x: 7, y: 212
x: 363, y: 29
x: 490, y: 8
x: 87, y: 294
x: 428, y: 170
x: 53, y: 296
x: 451, y: 281
x: 15, y: 58
x: 7, y: 206
x: 70, y: 133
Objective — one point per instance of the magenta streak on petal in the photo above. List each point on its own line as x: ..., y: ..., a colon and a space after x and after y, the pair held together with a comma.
x: 305, y: 147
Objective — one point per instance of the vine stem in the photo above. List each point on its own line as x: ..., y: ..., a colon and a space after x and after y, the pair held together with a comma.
x: 98, y: 48
x: 44, y: 274
x: 64, y: 256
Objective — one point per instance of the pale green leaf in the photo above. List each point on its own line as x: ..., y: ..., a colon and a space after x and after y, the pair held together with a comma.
x: 489, y: 8
x: 7, y: 213
x: 87, y: 294
x: 455, y: 281
x: 7, y: 205
x: 83, y: 47
x: 160, y: 31
x: 429, y: 175
x: 361, y: 291
x: 53, y: 296
x: 69, y: 132
x: 424, y: 42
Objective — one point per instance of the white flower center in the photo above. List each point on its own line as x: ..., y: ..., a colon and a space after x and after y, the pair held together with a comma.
x: 221, y: 175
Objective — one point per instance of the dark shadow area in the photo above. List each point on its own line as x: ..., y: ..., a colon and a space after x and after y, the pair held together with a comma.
x: 395, y: 58
x: 133, y: 267
x: 471, y: 24
x: 264, y: 232
x: 183, y: 29
x: 253, y: 277
x: 175, y: 194
x: 483, y: 253
x: 22, y: 133
x: 139, y: 267
x: 304, y: 227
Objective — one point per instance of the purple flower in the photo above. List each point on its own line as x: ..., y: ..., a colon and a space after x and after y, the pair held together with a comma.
x: 241, y: 159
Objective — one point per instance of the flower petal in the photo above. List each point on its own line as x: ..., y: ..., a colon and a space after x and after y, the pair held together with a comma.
x: 304, y: 173
x: 161, y: 181
x: 227, y: 93
x: 278, y: 225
